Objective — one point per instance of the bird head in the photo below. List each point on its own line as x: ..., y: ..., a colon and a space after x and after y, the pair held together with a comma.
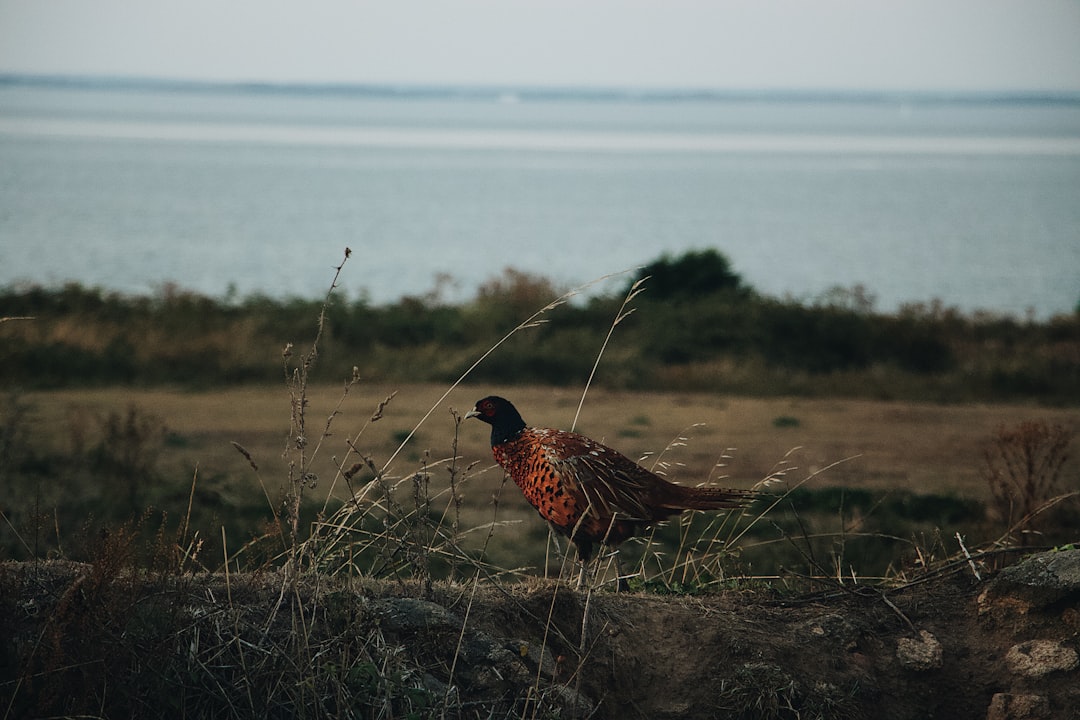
x: 501, y: 415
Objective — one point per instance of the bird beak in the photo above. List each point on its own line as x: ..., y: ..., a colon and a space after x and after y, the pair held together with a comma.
x: 472, y: 413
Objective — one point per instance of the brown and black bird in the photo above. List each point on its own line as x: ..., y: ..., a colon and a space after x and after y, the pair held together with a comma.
x: 587, y: 491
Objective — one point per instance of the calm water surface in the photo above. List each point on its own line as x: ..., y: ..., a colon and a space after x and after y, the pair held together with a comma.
x: 973, y: 203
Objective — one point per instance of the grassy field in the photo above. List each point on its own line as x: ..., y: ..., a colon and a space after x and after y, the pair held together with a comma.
x: 872, y: 452
x: 881, y: 446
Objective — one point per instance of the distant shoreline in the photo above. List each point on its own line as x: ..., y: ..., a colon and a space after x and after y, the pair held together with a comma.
x: 506, y: 93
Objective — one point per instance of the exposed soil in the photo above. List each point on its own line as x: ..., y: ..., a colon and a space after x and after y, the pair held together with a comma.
x: 950, y: 646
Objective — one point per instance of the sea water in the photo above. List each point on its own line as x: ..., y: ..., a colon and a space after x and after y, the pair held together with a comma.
x: 135, y: 187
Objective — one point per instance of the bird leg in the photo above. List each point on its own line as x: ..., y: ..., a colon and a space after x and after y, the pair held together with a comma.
x: 621, y: 584
x: 584, y: 560
x: 620, y: 581
x: 584, y: 546
x: 553, y: 539
x: 581, y: 582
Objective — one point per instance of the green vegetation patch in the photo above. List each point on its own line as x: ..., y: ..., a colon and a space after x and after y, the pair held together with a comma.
x: 696, y: 325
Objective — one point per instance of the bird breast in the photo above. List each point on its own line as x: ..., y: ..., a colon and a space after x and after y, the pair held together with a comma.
x: 532, y: 462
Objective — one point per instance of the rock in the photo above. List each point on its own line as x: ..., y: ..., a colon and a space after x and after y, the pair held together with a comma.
x: 1036, y: 658
x: 832, y: 625
x: 411, y: 614
x: 536, y: 654
x: 919, y: 654
x: 1004, y: 706
x: 1038, y: 581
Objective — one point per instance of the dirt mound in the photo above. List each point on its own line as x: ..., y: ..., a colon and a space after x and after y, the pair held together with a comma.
x: 76, y: 640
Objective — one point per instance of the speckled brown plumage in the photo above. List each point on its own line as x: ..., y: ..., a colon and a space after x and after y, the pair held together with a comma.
x: 588, y: 491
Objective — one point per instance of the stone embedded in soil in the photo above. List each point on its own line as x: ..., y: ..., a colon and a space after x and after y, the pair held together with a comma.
x: 1036, y: 658
x: 413, y: 613
x: 1004, y: 706
x: 539, y: 655
x: 919, y: 654
x: 1039, y: 581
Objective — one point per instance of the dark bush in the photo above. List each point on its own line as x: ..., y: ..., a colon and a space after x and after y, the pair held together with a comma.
x: 694, y: 274
x: 818, y: 340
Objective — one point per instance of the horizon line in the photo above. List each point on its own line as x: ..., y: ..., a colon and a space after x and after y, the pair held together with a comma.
x: 521, y: 92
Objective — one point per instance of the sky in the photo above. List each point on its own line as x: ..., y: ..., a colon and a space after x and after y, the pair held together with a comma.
x: 945, y: 45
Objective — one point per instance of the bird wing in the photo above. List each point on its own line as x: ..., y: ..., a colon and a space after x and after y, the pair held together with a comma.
x: 610, y: 482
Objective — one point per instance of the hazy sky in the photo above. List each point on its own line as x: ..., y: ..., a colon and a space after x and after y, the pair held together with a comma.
x: 823, y: 44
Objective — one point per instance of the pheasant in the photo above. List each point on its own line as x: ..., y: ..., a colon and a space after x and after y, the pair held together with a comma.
x: 585, y: 490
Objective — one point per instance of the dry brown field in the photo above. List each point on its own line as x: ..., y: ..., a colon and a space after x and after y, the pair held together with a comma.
x: 881, y: 446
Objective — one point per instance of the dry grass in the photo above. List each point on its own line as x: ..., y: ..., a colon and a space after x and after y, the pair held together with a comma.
x: 910, y: 446
x: 883, y: 447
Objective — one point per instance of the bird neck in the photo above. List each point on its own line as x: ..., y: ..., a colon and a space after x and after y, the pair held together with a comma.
x: 505, y: 432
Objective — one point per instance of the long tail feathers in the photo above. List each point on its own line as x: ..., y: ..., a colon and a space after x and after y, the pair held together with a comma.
x: 709, y: 498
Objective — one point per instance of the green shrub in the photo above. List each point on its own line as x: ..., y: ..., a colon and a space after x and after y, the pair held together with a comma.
x: 694, y: 313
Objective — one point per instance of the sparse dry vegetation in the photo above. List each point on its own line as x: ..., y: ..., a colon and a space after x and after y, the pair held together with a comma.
x: 1024, y: 469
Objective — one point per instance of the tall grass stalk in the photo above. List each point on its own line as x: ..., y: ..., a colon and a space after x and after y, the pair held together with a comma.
x: 624, y: 312
x: 297, y: 379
